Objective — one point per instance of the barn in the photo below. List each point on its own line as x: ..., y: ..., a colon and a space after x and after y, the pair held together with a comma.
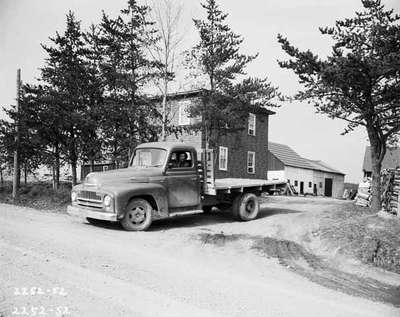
x: 391, y: 160
x: 306, y: 176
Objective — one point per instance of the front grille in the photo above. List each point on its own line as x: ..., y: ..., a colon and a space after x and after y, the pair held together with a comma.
x: 90, y: 199
x: 85, y: 194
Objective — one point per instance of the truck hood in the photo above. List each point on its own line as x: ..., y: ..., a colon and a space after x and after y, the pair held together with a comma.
x: 123, y: 175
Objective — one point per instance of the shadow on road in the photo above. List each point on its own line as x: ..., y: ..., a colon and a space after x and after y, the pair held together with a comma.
x: 197, y: 220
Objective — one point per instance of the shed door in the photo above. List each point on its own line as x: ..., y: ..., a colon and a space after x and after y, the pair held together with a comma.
x: 328, y: 187
x: 301, y: 188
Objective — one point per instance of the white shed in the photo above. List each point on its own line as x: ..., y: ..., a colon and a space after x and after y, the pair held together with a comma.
x: 307, y: 176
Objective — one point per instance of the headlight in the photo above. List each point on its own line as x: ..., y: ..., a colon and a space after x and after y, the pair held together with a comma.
x: 107, y: 200
x: 74, y: 196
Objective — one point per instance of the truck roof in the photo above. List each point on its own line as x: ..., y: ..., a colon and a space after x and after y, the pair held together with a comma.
x: 167, y: 145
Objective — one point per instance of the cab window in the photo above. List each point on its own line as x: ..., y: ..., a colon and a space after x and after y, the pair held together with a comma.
x: 180, y: 159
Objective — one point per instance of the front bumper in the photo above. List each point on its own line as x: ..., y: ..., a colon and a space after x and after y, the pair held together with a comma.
x: 85, y: 213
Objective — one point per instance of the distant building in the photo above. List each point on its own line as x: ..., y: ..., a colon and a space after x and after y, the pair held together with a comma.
x: 307, y: 176
x: 241, y: 154
x: 391, y: 160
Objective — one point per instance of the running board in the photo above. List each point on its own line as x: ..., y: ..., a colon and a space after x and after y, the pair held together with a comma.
x: 187, y: 212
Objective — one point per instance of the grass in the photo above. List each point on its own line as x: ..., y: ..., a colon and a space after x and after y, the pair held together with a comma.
x: 360, y: 233
x: 38, y: 195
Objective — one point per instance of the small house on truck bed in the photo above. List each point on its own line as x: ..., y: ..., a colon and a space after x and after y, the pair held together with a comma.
x: 239, y: 154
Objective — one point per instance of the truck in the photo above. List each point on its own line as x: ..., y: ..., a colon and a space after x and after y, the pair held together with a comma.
x: 162, y: 180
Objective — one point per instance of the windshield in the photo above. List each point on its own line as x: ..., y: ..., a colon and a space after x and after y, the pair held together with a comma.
x: 148, y: 158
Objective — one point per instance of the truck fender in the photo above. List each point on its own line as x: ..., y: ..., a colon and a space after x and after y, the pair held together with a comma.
x: 155, y: 194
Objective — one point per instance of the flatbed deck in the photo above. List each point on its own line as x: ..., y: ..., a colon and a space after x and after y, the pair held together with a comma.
x: 228, y: 184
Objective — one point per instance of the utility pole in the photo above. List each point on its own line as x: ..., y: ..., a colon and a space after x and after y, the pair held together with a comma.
x: 17, y: 141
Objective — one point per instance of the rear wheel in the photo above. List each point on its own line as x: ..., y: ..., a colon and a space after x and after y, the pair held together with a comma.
x: 246, y: 207
x: 138, y: 215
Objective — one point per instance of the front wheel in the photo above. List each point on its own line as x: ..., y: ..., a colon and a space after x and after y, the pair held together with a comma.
x: 246, y: 207
x: 137, y: 216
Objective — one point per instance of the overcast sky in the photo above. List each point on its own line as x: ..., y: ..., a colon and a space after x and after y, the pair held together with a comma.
x: 24, y: 24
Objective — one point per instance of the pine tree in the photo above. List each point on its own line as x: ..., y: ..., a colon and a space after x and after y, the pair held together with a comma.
x: 66, y: 73
x: 359, y: 81
x: 229, y: 94
x: 127, y: 69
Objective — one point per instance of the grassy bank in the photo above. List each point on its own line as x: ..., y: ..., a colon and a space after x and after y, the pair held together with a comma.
x: 38, y: 195
x: 358, y: 232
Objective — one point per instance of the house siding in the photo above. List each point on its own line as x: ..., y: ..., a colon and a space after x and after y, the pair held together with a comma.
x: 192, y: 137
x: 337, y: 183
x: 238, y: 144
x: 300, y: 175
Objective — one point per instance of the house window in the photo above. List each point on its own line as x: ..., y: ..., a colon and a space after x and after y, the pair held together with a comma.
x: 309, y: 184
x: 320, y: 184
x: 288, y: 181
x: 184, y: 118
x: 252, y: 124
x: 105, y: 168
x: 223, y: 158
x: 296, y: 183
x: 251, y: 162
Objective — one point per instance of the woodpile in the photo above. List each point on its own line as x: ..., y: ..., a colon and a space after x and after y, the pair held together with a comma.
x: 364, y: 193
x: 391, y: 191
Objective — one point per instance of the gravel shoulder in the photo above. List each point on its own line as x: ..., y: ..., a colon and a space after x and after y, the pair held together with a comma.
x: 188, y: 265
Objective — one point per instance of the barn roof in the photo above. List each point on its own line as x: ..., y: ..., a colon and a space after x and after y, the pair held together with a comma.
x: 290, y: 158
x: 391, y: 159
x: 287, y: 156
x: 322, y: 166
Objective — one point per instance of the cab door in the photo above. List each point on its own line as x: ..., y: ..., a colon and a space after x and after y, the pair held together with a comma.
x: 183, y: 181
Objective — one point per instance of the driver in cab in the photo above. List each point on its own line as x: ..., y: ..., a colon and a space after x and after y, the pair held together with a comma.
x: 182, y: 161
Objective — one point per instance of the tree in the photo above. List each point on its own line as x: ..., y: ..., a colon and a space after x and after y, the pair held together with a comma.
x: 45, y: 117
x: 229, y: 94
x: 95, y: 97
x: 167, y: 16
x: 30, y: 146
x: 66, y: 73
x: 359, y: 82
x: 127, y: 69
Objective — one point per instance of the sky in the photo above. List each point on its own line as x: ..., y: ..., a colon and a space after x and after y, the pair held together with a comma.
x: 24, y: 24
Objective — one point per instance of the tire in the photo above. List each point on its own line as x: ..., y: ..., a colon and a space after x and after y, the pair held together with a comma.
x: 138, y: 215
x: 207, y: 209
x: 246, y: 207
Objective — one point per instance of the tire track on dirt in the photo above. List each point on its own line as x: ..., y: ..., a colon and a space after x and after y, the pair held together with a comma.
x: 298, y: 259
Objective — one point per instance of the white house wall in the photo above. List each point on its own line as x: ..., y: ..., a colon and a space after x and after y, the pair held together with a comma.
x: 337, y: 183
x: 300, y: 175
x: 276, y: 175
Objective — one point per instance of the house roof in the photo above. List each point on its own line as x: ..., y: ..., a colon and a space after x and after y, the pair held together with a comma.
x: 391, y: 159
x: 290, y: 158
x: 197, y: 93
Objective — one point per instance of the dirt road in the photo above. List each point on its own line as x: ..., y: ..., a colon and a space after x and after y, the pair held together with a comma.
x: 199, y: 265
